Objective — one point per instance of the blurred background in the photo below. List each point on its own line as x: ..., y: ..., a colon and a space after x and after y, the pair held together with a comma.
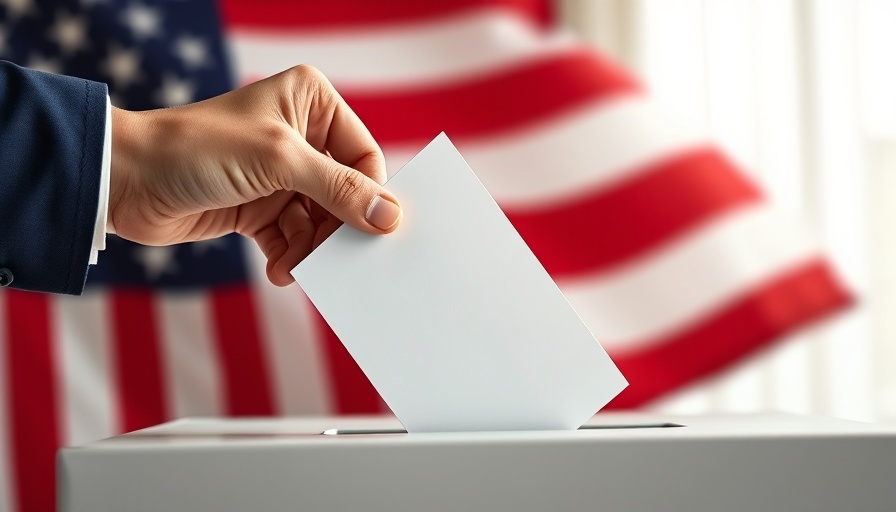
x: 803, y: 95
x: 710, y: 183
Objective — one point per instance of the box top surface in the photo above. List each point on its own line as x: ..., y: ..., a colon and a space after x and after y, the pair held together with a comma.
x: 605, y: 427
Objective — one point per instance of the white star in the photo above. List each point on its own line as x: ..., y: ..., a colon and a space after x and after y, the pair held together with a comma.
x: 175, y: 91
x: 156, y: 261
x: 192, y: 50
x: 122, y: 66
x: 144, y: 22
x: 70, y: 32
x: 200, y: 248
x: 15, y: 9
x: 39, y: 63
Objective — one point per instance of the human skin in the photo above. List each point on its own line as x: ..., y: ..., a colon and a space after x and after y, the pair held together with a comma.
x: 283, y: 161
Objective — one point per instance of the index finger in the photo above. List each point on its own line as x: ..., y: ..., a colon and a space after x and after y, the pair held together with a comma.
x: 350, y: 142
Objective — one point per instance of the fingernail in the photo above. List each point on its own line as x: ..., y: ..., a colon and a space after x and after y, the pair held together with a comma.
x: 383, y: 213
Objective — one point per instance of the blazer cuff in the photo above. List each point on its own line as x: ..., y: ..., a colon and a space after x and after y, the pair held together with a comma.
x: 94, y: 121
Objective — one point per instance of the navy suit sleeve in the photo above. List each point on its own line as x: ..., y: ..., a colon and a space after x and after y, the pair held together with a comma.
x: 52, y: 131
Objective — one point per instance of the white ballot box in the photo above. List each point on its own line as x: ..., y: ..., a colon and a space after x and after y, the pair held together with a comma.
x: 616, y: 462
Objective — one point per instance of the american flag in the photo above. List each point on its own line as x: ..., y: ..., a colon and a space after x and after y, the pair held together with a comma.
x: 676, y: 261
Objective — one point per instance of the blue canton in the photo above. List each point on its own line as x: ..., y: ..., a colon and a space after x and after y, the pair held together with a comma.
x: 152, y: 54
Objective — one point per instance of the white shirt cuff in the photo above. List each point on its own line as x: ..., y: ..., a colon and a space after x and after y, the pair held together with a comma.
x: 102, y: 207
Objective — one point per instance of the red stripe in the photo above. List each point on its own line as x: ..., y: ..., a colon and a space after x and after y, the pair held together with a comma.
x: 247, y: 387
x: 792, y: 300
x: 33, y: 403
x: 612, y: 225
x: 141, y: 393
x: 352, y: 391
x: 510, y: 99
x: 307, y: 15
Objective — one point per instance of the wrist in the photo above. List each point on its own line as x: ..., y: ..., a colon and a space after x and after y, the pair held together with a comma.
x: 129, y: 140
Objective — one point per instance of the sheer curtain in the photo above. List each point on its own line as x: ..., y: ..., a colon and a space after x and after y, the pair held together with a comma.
x: 802, y: 93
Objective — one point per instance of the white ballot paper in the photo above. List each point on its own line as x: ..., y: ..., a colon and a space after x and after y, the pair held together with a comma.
x: 451, y: 317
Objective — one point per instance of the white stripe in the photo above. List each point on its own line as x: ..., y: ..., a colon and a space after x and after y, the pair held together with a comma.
x: 191, y: 362
x: 293, y: 350
x: 742, y: 390
x: 654, y: 295
x: 6, y: 462
x: 691, y: 400
x: 792, y: 374
x: 562, y: 157
x: 848, y: 368
x: 404, y: 55
x: 85, y: 370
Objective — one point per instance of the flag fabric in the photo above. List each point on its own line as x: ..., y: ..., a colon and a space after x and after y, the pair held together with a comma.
x: 673, y: 257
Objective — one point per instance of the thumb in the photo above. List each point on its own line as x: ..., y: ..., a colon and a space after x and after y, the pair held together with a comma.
x: 352, y: 197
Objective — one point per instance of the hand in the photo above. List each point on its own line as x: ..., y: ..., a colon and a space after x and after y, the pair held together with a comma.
x: 283, y: 161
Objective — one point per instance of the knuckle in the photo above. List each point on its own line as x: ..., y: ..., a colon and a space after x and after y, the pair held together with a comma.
x: 305, y: 69
x: 312, y: 79
x: 305, y: 73
x: 277, y: 143
x: 344, y: 186
x: 311, y: 87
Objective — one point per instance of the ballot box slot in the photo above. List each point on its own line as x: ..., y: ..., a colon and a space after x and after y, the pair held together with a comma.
x: 362, y: 431
x: 630, y: 426
x: 392, y: 431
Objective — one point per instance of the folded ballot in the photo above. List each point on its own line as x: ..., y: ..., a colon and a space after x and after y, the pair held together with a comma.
x: 451, y: 317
